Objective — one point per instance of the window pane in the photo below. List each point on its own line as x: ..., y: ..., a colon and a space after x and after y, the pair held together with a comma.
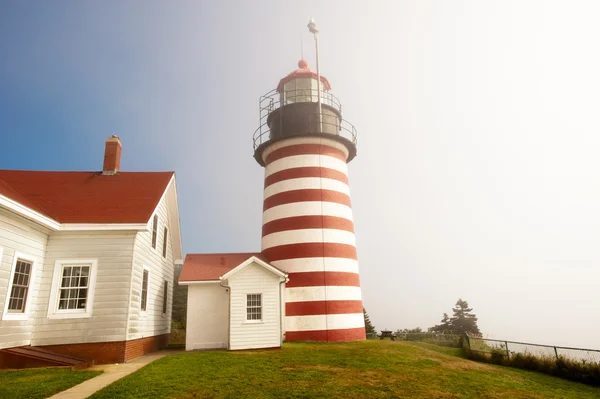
x: 154, y: 230
x: 20, y: 286
x: 165, y: 241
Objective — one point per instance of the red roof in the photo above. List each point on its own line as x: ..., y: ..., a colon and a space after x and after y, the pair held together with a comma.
x: 207, y: 267
x: 87, y: 197
x: 303, y: 71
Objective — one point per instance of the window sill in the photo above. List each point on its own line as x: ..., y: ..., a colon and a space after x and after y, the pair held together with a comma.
x: 69, y: 316
x: 253, y: 322
x: 15, y: 316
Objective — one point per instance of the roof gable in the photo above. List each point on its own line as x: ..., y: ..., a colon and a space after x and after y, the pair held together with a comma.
x: 250, y: 261
x: 213, y: 267
x: 87, y: 197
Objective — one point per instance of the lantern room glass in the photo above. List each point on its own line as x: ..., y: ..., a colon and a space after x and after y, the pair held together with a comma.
x: 303, y: 90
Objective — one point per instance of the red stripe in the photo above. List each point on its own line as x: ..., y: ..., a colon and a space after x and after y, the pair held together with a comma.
x: 310, y: 250
x: 303, y: 149
x: 308, y: 222
x: 306, y: 171
x: 317, y: 279
x: 322, y: 307
x: 304, y: 195
x: 343, y: 335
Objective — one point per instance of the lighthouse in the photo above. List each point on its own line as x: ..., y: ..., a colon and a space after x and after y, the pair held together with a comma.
x: 304, y: 145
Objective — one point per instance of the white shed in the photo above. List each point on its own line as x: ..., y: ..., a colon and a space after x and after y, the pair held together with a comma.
x: 235, y: 301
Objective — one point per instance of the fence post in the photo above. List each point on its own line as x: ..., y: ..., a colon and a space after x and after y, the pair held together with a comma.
x: 507, y: 352
x: 556, y: 352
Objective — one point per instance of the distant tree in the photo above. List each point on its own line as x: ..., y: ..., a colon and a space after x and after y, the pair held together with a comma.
x: 369, y: 327
x: 462, y: 321
x: 179, y: 300
x: 416, y: 330
x: 444, y: 327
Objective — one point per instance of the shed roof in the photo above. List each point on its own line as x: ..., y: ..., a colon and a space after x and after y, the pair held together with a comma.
x: 209, y: 267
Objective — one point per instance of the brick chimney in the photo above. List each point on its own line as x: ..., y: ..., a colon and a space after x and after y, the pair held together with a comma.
x: 112, y: 156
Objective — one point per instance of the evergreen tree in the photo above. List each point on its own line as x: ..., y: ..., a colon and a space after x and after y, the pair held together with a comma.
x: 463, y: 321
x: 444, y: 327
x: 369, y: 327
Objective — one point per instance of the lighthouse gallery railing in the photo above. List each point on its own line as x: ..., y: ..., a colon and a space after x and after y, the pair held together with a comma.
x: 274, y: 100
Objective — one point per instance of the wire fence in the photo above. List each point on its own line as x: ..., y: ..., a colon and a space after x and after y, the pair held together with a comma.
x: 511, y: 348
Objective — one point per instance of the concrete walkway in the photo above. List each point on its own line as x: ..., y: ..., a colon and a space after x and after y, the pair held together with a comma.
x: 112, y: 373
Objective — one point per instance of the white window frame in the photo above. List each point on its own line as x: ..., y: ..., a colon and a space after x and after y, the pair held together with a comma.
x: 6, y: 315
x: 262, y: 309
x: 155, y: 225
x: 145, y: 268
x: 53, y: 311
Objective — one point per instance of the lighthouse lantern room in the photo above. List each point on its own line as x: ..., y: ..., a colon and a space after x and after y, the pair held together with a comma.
x: 304, y: 145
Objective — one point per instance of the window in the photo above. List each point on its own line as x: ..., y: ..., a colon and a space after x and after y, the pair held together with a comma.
x: 253, y: 307
x: 20, y: 286
x: 165, y: 238
x: 144, y: 290
x: 165, y: 296
x: 74, y: 285
x: 20, y: 280
x: 72, y: 291
x: 154, y: 230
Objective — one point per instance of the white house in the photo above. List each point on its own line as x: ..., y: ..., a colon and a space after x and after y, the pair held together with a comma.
x: 235, y: 301
x: 86, y: 262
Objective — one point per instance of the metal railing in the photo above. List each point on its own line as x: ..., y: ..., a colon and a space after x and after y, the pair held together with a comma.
x: 510, y: 348
x: 274, y: 100
x: 341, y: 127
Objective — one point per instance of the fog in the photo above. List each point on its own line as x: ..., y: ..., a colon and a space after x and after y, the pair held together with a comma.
x: 477, y: 173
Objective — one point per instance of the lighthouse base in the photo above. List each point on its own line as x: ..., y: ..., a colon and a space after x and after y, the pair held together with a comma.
x: 344, y: 335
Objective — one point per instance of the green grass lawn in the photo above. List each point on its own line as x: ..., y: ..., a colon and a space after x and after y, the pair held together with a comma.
x: 40, y: 383
x: 370, y: 369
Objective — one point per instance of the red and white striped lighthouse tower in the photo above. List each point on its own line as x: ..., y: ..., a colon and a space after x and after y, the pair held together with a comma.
x: 308, y: 230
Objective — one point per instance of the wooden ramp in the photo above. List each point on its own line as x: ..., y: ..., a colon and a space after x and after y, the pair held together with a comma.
x: 31, y: 356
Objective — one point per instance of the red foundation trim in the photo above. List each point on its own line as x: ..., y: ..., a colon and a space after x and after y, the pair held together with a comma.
x: 325, y: 279
x: 307, y: 171
x: 308, y: 222
x: 305, y: 195
x: 322, y: 307
x: 344, y: 335
x: 305, y: 149
x: 310, y: 250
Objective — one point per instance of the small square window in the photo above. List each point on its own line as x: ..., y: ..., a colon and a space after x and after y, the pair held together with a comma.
x: 254, y: 307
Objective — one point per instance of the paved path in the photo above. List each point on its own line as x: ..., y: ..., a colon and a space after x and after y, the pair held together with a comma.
x: 112, y: 372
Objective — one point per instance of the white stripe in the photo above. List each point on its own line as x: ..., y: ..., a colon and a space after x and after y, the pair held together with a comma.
x: 304, y: 140
x: 324, y: 322
x: 308, y: 235
x: 317, y: 265
x: 300, y: 161
x: 307, y: 183
x: 330, y: 293
x: 306, y: 209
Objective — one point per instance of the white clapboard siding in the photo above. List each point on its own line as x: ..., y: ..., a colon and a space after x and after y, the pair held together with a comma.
x: 254, y: 279
x: 208, y: 317
x: 19, y: 235
x: 108, y: 322
x: 153, y: 321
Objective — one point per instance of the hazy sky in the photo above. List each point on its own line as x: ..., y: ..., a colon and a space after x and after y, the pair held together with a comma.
x: 477, y: 174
